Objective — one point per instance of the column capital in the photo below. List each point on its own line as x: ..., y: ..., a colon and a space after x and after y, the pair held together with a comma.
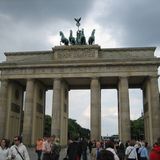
x: 30, y: 79
x: 57, y: 78
x: 123, y: 77
x: 95, y: 78
x: 154, y: 76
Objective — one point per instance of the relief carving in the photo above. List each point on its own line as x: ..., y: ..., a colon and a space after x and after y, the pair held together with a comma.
x: 75, y: 54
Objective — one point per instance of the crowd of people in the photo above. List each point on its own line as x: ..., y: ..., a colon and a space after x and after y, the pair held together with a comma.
x: 48, y: 148
x: 110, y: 150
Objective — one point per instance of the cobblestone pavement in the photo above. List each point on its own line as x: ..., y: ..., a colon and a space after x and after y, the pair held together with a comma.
x: 33, y: 155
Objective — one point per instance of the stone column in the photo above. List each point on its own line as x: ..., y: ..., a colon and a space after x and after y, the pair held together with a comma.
x: 155, y: 108
x: 56, y: 108
x: 3, y: 106
x: 27, y: 126
x: 124, y: 112
x: 95, y: 109
x: 38, y: 111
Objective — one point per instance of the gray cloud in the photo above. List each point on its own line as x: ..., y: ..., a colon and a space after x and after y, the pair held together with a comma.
x: 26, y: 25
x: 133, y: 23
x: 42, y: 11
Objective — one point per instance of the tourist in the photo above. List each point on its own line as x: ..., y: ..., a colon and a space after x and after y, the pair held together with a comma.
x: 143, y: 152
x: 90, y: 146
x: 55, y: 149
x: 155, y: 152
x: 98, y: 148
x: 93, y: 152
x: 138, y: 146
x: 121, y: 151
x: 47, y: 149
x: 84, y: 145
x: 18, y: 151
x: 4, y: 150
x: 74, y: 150
x: 130, y: 152
x: 105, y: 155
x: 39, y: 147
x: 110, y: 147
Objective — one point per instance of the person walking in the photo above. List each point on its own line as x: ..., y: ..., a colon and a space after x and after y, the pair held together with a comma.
x: 143, y: 152
x: 39, y: 147
x: 4, y: 150
x: 110, y: 147
x: 121, y: 151
x: 74, y: 150
x: 18, y: 151
x: 130, y: 152
x: 55, y: 149
x: 84, y: 145
x: 47, y: 149
x: 105, y: 155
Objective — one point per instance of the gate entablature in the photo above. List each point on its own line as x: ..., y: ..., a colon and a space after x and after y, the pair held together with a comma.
x: 81, y: 52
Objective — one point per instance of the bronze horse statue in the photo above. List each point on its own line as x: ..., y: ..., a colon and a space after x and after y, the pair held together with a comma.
x: 91, y: 38
x: 72, y: 39
x: 80, y: 39
x: 63, y: 39
x: 83, y: 38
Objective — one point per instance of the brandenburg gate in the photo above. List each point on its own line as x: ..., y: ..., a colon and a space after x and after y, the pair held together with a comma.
x: 26, y: 76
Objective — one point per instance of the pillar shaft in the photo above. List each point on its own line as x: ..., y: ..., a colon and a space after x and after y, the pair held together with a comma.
x: 95, y: 109
x: 153, y: 111
x: 3, y: 106
x: 27, y: 126
x: 124, y: 112
x: 56, y: 108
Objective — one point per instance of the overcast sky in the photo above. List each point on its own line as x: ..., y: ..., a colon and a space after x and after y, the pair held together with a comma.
x: 27, y: 25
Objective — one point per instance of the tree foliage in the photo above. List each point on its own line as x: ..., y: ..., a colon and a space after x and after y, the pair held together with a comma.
x: 137, y: 128
x: 74, y: 129
x: 47, y: 125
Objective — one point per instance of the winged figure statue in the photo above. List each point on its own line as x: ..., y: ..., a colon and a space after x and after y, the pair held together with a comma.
x: 78, y: 21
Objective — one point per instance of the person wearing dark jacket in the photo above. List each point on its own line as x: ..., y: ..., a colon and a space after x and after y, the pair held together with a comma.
x: 84, y: 145
x: 105, y: 155
x: 74, y: 150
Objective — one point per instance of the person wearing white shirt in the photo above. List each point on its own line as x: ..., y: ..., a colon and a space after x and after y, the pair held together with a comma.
x: 131, y: 151
x: 4, y: 150
x: 110, y: 147
x: 19, y: 151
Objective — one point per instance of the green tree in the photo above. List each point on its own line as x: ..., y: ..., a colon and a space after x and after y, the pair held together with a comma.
x: 47, y: 125
x: 137, y: 128
x: 74, y: 129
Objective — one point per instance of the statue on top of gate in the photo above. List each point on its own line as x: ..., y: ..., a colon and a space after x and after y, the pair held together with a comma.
x: 80, y: 37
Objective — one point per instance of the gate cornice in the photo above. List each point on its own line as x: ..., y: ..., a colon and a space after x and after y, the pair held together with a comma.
x: 75, y: 63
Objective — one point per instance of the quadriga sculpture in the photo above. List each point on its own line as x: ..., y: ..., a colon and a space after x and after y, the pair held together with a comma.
x: 63, y: 39
x: 91, y: 38
x: 72, y: 40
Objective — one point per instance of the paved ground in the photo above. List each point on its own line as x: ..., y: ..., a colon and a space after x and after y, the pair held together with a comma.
x: 33, y: 154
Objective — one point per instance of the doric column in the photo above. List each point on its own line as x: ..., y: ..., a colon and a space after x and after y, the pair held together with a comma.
x: 27, y: 126
x: 95, y: 109
x: 38, y: 111
x: 124, y: 111
x: 3, y: 106
x: 153, y: 109
x: 56, y: 108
